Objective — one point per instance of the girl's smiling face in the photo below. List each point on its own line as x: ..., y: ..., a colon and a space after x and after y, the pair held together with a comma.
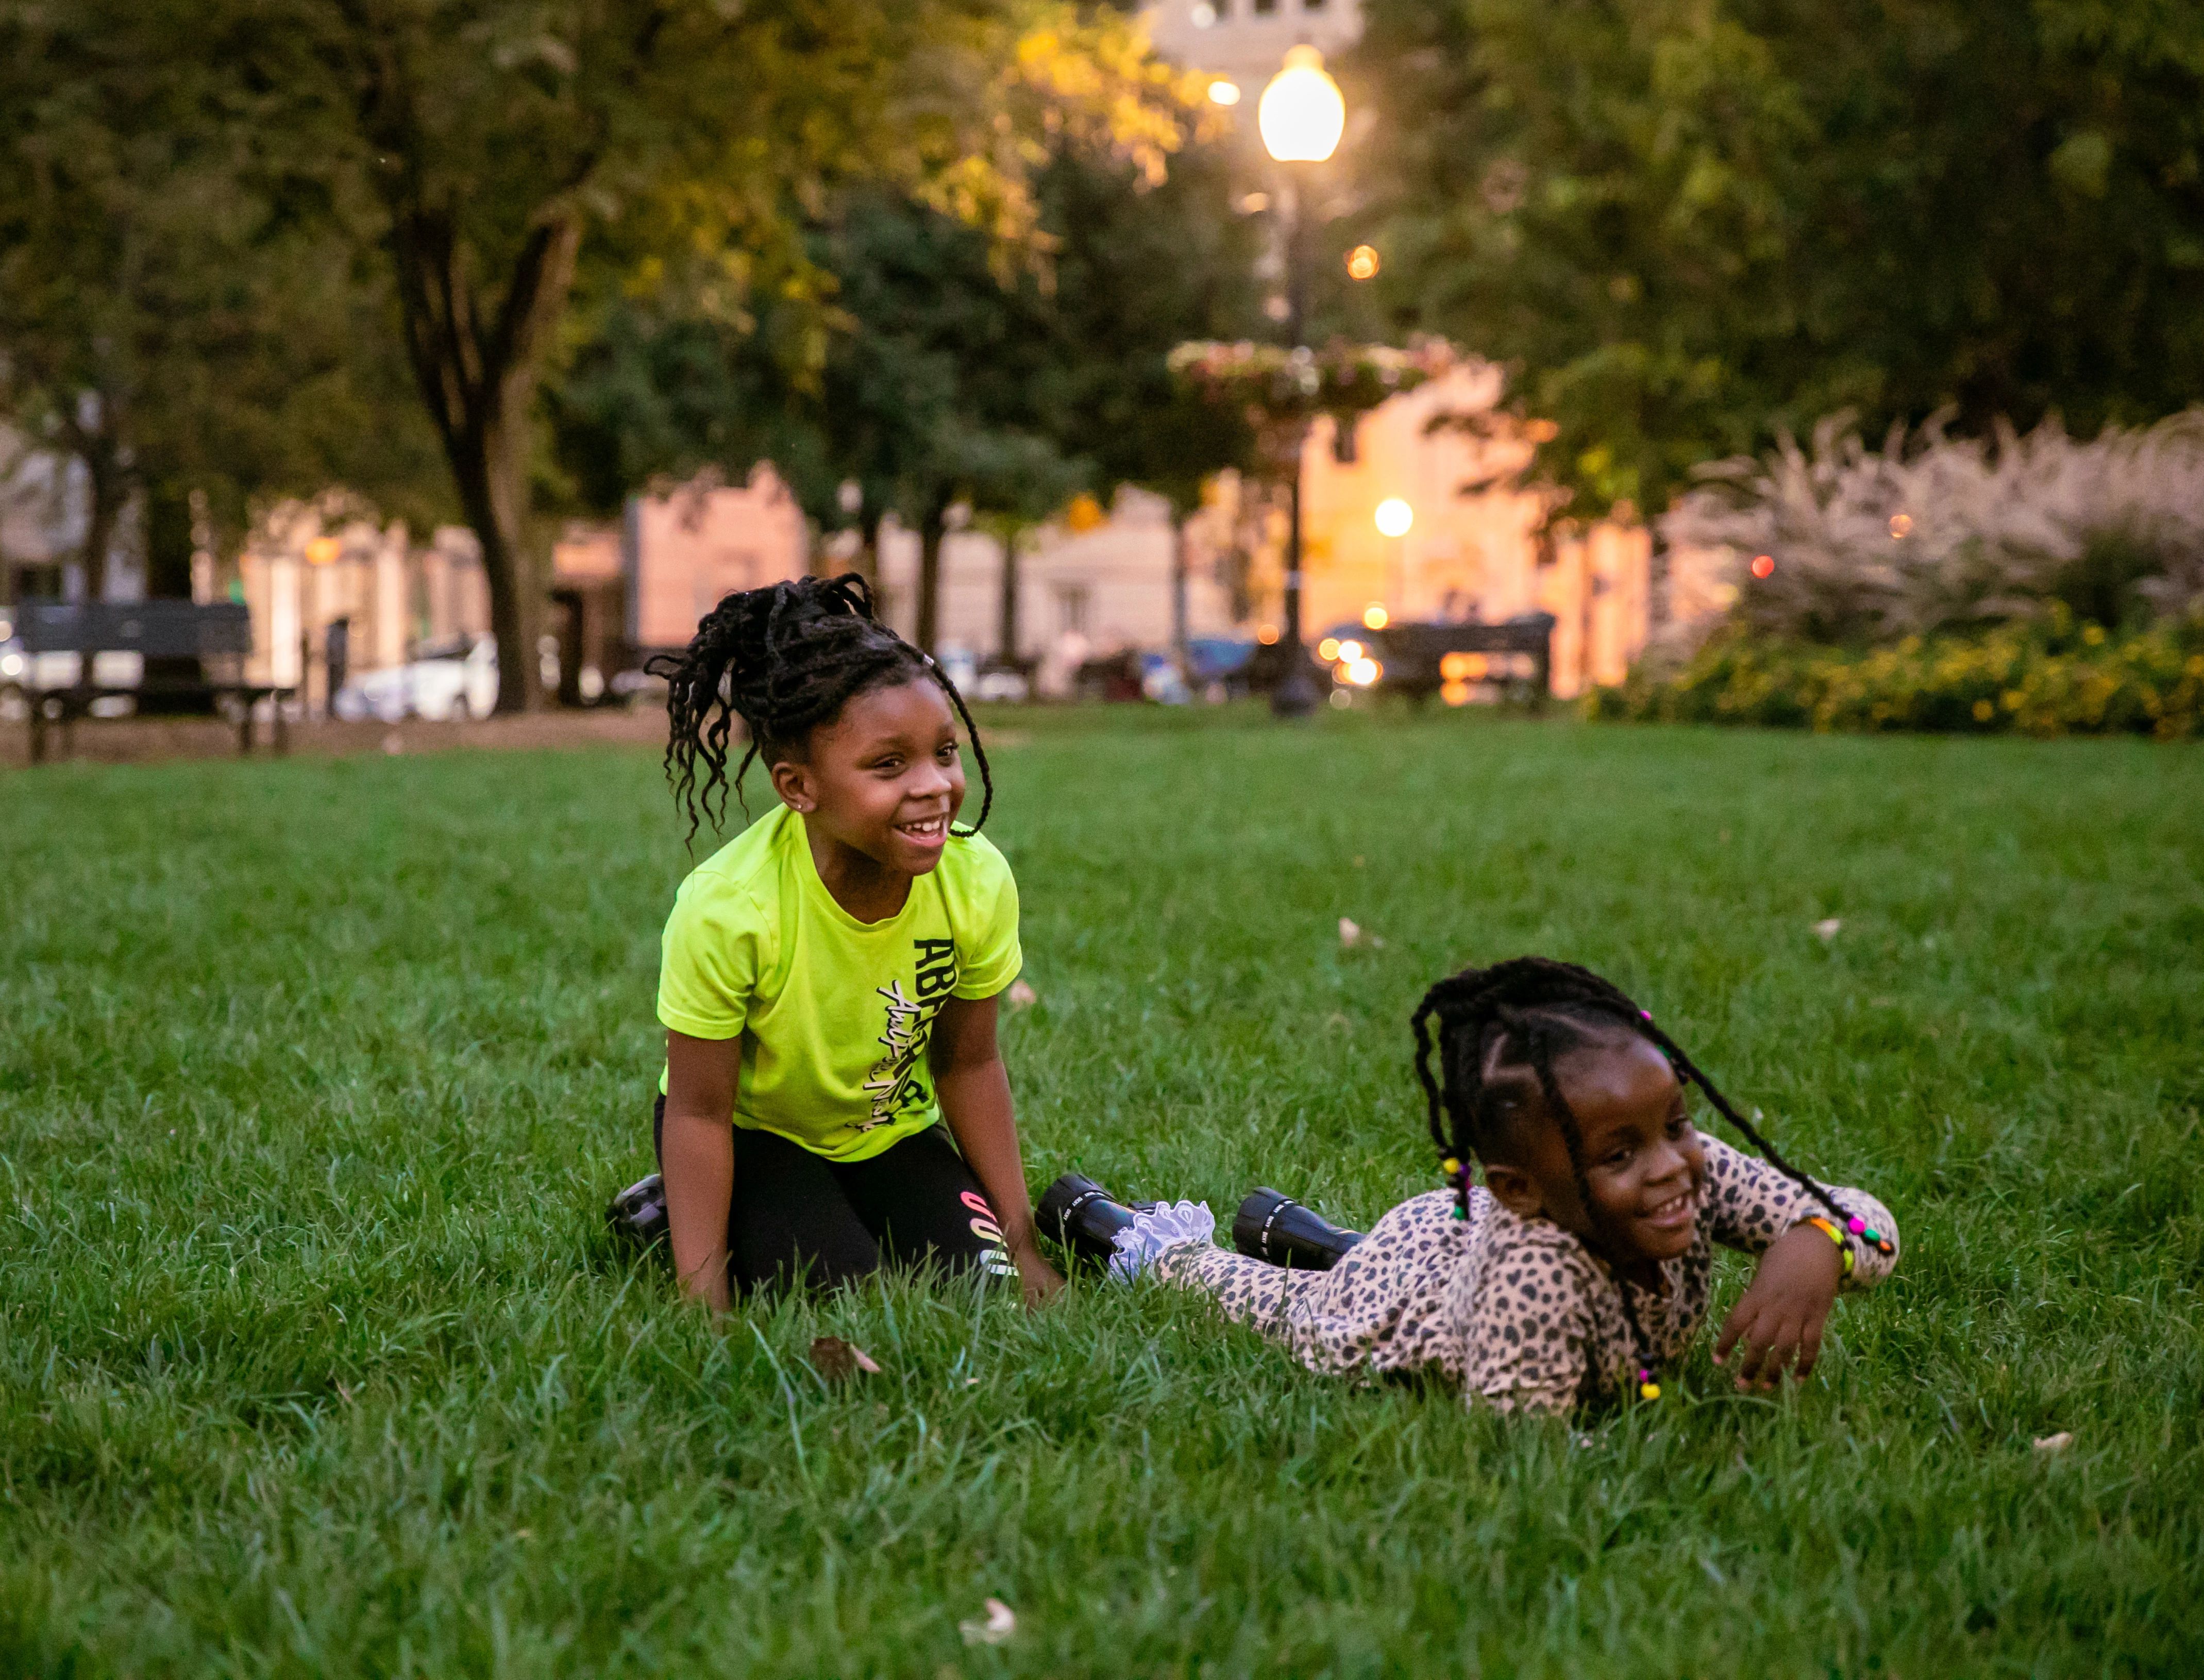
x: 884, y: 779
x: 1643, y: 1163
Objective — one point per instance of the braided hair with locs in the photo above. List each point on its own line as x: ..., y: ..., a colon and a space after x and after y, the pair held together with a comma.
x: 784, y: 659
x: 1499, y: 1031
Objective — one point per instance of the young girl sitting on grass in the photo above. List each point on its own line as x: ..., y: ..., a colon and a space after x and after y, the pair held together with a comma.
x: 1579, y: 1269
x: 830, y: 977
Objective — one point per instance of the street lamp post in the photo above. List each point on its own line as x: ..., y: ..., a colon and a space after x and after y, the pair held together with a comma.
x: 1301, y: 118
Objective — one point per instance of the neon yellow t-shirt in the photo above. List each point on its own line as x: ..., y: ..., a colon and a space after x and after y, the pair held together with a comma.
x: 834, y: 1014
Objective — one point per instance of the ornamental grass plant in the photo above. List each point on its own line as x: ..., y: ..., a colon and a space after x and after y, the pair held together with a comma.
x: 2034, y: 584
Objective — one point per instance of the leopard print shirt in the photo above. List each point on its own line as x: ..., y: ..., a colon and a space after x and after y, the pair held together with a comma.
x: 1517, y: 1312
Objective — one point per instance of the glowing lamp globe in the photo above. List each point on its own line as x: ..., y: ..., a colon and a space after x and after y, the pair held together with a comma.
x: 1301, y: 115
x: 1395, y: 516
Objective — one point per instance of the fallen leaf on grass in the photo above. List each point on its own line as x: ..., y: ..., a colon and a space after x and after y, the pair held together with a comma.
x: 1022, y: 996
x: 836, y: 1360
x: 1002, y: 1621
x: 2058, y: 1443
x: 1349, y: 935
x: 1831, y: 928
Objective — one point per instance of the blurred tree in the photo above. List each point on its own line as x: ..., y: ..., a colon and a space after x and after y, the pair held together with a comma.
x: 167, y: 315
x: 944, y: 380
x: 498, y: 135
x: 1689, y: 224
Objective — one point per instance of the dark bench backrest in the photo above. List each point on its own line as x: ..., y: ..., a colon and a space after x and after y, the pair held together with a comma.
x: 158, y: 629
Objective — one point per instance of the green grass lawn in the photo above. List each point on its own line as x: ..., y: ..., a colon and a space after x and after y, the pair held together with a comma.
x: 314, y: 1077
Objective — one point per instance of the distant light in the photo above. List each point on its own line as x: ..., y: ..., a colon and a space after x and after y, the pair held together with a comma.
x: 1461, y: 667
x: 1362, y: 263
x: 1203, y: 15
x: 11, y: 665
x: 1268, y: 635
x: 1276, y: 308
x: 1350, y: 651
x: 1341, y: 699
x: 1375, y: 617
x: 1254, y: 204
x: 1224, y: 92
x: 1762, y: 565
x: 1901, y: 525
x: 1364, y: 672
x: 1328, y: 649
x: 1454, y: 693
x: 1301, y: 115
x: 1395, y: 516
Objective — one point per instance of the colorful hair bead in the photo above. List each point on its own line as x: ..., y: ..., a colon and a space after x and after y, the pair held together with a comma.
x: 1859, y: 1228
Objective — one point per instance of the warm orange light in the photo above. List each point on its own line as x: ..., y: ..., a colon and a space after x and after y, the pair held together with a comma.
x: 1222, y: 92
x: 1362, y: 263
x: 1901, y: 526
x: 322, y: 550
x: 1764, y: 565
x: 1375, y: 617
x: 1395, y: 517
x: 1462, y: 666
x: 1084, y: 513
x: 1350, y: 651
x: 1455, y: 693
x: 1328, y: 649
x: 1364, y: 672
x: 1268, y: 635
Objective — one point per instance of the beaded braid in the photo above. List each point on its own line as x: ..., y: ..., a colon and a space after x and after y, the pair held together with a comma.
x: 784, y: 659
x: 1526, y: 999
x: 1543, y: 1006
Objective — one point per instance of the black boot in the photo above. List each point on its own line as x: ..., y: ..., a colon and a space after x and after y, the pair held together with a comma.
x: 636, y: 1216
x: 1277, y: 1228
x: 1079, y: 1213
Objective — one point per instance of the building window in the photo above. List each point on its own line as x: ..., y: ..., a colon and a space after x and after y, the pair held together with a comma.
x: 1071, y: 609
x: 1263, y: 7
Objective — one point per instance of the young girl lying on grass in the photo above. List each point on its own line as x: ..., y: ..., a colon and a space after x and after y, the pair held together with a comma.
x: 1579, y: 1269
x: 834, y: 967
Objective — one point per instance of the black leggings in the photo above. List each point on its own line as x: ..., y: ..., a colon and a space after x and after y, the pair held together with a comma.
x: 795, y: 1215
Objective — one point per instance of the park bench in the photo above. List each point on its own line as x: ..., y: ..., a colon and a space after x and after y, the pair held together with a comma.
x: 214, y: 638
x: 1418, y: 660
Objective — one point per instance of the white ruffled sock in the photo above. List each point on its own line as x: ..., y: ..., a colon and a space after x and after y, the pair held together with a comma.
x: 1165, y: 1226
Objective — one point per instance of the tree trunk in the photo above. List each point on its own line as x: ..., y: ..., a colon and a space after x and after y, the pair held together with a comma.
x: 492, y: 493
x: 108, y: 489
x: 476, y: 366
x: 1178, y: 599
x: 930, y: 532
x: 1008, y: 630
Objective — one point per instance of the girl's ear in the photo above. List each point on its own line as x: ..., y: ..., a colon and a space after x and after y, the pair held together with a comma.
x: 793, y: 783
x: 1515, y: 1190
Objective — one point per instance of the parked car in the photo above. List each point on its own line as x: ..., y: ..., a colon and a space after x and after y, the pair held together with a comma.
x: 455, y: 679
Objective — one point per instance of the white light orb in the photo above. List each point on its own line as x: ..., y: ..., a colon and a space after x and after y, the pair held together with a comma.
x: 1395, y: 516
x: 1222, y: 92
x: 1301, y: 115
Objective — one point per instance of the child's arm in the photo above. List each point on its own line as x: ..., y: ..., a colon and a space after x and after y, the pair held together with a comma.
x: 697, y: 1156
x: 1752, y: 1206
x: 974, y: 1090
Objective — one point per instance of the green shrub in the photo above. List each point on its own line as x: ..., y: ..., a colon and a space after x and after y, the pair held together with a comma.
x: 2050, y: 677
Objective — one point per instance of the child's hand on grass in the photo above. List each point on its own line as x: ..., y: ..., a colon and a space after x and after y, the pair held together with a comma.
x: 1782, y: 1314
x: 1039, y: 1279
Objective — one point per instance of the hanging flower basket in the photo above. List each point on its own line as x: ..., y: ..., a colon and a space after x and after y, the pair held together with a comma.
x: 1281, y: 390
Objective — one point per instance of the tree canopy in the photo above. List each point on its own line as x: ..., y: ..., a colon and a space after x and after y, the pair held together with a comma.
x: 1691, y: 225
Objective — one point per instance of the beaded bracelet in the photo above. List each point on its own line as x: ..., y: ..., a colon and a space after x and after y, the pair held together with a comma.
x: 1830, y: 1230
